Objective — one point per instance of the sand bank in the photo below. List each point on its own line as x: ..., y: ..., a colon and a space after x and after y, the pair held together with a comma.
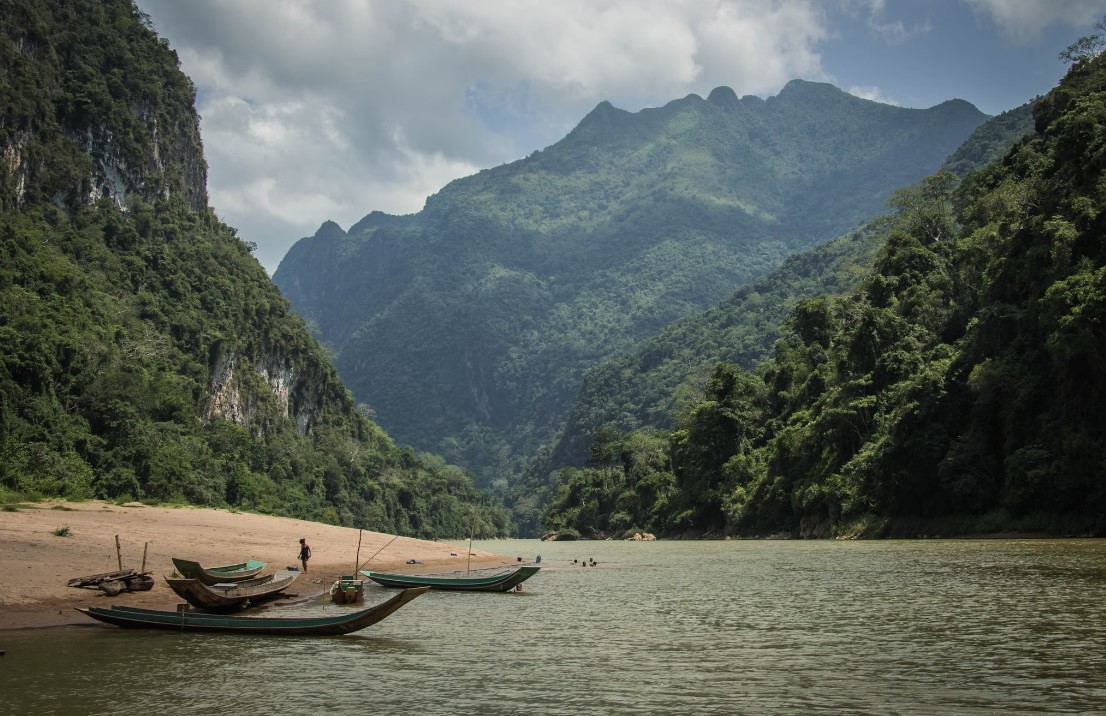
x: 36, y: 564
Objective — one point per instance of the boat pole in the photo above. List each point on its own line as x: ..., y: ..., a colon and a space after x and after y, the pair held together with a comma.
x: 378, y: 552
x: 472, y: 528
x: 357, y: 559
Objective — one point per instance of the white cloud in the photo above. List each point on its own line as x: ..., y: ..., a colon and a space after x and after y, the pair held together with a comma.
x: 873, y: 93
x: 893, y: 32
x: 333, y: 108
x: 1023, y: 20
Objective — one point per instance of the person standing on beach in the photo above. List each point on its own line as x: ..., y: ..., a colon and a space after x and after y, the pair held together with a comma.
x: 305, y: 553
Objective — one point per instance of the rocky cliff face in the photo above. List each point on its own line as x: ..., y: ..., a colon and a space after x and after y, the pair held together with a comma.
x: 235, y: 395
x: 161, y: 167
x: 74, y: 127
x: 102, y: 114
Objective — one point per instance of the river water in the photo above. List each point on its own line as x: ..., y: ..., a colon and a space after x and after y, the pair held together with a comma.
x: 742, y: 627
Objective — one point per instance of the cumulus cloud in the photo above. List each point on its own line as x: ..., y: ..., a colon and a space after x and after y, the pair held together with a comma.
x: 873, y: 93
x: 328, y: 109
x: 1022, y: 20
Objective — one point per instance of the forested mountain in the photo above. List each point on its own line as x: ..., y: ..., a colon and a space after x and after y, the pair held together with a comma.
x: 144, y: 353
x: 957, y: 389
x: 468, y: 326
x: 649, y: 384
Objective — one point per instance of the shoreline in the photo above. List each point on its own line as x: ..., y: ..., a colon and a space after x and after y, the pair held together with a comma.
x: 37, y: 563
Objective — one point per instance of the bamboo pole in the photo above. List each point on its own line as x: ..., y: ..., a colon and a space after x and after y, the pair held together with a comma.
x: 145, y: 549
x: 357, y: 559
x: 378, y: 551
x: 118, y: 553
x: 472, y: 528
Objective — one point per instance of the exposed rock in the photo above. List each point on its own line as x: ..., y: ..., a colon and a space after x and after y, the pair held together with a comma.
x: 233, y: 398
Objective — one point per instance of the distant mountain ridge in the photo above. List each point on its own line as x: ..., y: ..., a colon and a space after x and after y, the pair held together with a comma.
x: 467, y: 326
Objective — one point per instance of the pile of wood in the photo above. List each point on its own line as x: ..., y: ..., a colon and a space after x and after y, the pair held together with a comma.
x: 117, y: 582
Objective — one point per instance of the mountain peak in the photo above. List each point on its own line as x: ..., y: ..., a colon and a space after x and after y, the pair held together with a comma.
x: 603, y: 121
x: 723, y: 97
x: 806, y: 88
x: 330, y: 230
x: 958, y: 107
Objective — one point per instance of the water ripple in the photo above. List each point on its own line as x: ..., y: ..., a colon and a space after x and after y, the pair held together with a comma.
x: 912, y: 627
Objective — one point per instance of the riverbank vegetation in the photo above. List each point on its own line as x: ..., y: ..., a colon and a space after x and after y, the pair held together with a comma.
x: 958, y: 387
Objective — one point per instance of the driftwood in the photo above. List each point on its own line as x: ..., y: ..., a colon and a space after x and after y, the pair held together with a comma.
x: 117, y: 582
x: 112, y: 587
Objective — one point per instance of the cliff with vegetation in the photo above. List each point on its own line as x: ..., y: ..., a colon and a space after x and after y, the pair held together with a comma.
x: 956, y: 389
x: 144, y: 353
x: 468, y: 326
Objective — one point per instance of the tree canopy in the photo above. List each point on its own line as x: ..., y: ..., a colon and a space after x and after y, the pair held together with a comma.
x: 144, y: 353
x: 956, y: 389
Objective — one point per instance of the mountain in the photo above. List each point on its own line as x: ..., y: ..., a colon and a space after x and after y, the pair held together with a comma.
x: 467, y: 327
x: 144, y: 353
x: 647, y: 385
x: 654, y: 384
x: 957, y: 389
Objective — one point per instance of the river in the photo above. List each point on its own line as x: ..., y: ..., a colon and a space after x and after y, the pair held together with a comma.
x: 735, y: 627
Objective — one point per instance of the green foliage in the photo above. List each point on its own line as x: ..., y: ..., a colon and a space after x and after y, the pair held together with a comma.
x: 625, y: 487
x: 662, y: 379
x: 62, y: 531
x: 144, y: 354
x: 1088, y: 47
x: 957, y: 389
x: 476, y: 320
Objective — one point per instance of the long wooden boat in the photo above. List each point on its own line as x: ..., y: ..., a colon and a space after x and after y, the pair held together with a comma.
x: 218, y: 575
x: 233, y: 595
x: 347, y: 589
x: 133, y: 618
x: 495, y: 583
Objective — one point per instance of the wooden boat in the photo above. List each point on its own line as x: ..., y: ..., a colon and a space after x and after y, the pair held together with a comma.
x: 496, y: 583
x: 133, y: 618
x: 348, y: 590
x: 229, y: 596
x: 219, y: 575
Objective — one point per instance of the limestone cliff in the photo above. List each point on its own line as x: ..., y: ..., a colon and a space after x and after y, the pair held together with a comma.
x: 74, y: 127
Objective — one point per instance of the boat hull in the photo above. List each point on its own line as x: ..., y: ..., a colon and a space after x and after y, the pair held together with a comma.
x: 496, y: 583
x: 133, y: 618
x: 216, y: 598
x: 218, y: 575
x: 348, y: 590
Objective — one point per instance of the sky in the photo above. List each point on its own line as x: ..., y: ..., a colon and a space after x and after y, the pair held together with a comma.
x: 316, y: 110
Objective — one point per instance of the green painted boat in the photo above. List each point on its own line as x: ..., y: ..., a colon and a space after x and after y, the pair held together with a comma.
x: 218, y: 575
x: 134, y: 618
x: 232, y: 595
x: 348, y: 589
x: 496, y: 583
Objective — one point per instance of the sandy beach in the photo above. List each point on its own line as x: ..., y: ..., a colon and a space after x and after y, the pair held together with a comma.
x: 36, y: 564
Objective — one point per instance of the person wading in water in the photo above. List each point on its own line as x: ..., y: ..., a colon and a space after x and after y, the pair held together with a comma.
x: 305, y: 553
